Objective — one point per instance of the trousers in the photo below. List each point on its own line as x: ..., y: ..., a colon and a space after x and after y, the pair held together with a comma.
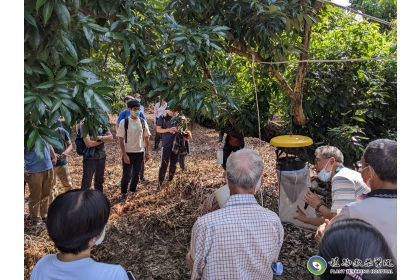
x: 40, y: 185
x: 167, y: 158
x: 90, y: 167
x: 132, y: 171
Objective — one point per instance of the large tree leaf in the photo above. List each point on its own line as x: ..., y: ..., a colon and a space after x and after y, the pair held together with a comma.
x: 89, y: 34
x: 68, y: 59
x: 39, y: 3
x: 46, y: 85
x: 48, y: 71
x: 47, y: 11
x: 63, y: 14
x: 61, y: 74
x: 102, y: 103
x: 66, y: 114
x: 71, y: 104
x: 70, y: 48
x: 56, y: 104
x: 32, y: 138
x: 88, y: 95
x: 29, y: 18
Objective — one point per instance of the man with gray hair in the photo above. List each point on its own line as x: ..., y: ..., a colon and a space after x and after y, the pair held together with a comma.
x: 346, y: 185
x: 378, y: 207
x: 242, y: 239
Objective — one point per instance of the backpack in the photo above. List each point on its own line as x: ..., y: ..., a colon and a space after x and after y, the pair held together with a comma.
x: 80, y: 144
x: 126, y: 127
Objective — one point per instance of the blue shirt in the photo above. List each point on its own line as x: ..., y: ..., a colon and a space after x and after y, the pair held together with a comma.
x: 34, y: 163
x: 62, y: 161
x: 126, y: 113
x: 167, y: 138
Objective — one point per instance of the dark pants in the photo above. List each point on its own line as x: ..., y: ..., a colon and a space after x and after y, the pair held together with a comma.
x: 167, y: 156
x: 142, y: 169
x: 227, y: 150
x: 158, y: 137
x: 131, y: 170
x: 90, y: 167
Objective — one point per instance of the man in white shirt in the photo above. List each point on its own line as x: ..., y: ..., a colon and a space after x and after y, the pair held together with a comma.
x: 378, y: 207
x: 134, y: 144
x: 160, y: 109
x: 242, y: 239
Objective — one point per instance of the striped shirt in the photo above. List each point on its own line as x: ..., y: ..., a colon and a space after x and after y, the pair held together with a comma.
x: 238, y: 241
x: 346, y: 186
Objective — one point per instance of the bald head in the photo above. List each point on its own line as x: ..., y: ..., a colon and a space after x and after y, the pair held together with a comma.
x: 244, y: 168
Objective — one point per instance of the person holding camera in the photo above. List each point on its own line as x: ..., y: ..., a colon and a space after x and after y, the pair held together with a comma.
x: 346, y: 185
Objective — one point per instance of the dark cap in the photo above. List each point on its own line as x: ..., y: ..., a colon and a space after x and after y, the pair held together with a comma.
x: 133, y: 103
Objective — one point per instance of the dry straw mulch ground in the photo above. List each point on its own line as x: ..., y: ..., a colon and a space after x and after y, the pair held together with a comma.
x: 150, y: 233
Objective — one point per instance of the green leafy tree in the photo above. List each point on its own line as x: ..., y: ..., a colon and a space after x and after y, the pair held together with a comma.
x: 349, y: 104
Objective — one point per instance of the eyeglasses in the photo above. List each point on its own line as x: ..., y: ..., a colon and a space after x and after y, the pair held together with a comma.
x: 316, y: 160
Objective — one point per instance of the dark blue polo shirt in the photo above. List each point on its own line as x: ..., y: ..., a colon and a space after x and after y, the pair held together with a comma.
x: 167, y: 138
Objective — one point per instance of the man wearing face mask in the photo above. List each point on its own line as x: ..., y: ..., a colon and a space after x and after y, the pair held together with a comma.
x: 346, y: 185
x: 134, y: 144
x: 378, y: 207
x: 242, y: 239
x: 168, y: 127
x: 137, y: 96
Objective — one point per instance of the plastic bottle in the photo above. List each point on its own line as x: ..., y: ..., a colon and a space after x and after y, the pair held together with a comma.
x: 220, y: 156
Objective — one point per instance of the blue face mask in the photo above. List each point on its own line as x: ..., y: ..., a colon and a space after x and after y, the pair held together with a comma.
x: 324, y: 175
x: 139, y: 99
x: 135, y: 113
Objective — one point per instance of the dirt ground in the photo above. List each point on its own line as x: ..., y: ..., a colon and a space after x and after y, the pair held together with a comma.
x: 150, y: 233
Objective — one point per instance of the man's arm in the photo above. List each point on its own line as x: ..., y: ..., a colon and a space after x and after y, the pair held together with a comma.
x: 146, y: 134
x: 159, y: 129
x: 313, y: 200
x: 197, y: 253
x: 122, y: 147
x: 69, y: 146
x: 344, y: 214
x: 304, y: 219
x: 52, y: 155
x: 119, y: 120
x: 90, y: 142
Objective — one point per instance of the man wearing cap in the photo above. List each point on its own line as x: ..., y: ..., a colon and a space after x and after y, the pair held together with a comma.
x: 168, y: 127
x: 134, y: 144
x: 242, y: 239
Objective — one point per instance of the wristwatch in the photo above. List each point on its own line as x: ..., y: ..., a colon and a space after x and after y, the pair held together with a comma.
x: 319, y: 205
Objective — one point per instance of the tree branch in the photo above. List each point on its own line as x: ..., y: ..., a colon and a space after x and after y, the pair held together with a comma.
x: 259, y: 58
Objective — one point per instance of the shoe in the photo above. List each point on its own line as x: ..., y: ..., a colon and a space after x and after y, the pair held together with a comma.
x: 144, y: 180
x: 44, y: 219
x: 26, y: 200
x: 38, y: 223
x: 26, y: 216
x: 131, y: 192
x: 123, y: 197
x: 159, y: 187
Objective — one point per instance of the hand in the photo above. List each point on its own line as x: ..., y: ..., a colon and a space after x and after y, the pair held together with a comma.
x: 301, y: 215
x: 219, y: 145
x: 320, y: 230
x: 146, y: 157
x: 154, y: 125
x: 312, y: 199
x: 63, y: 155
x: 26, y: 173
x: 173, y: 130
x: 126, y: 159
x: 190, y: 262
x: 54, y: 161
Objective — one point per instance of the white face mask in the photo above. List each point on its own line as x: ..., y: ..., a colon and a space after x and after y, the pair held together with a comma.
x: 101, y: 238
x: 258, y: 186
